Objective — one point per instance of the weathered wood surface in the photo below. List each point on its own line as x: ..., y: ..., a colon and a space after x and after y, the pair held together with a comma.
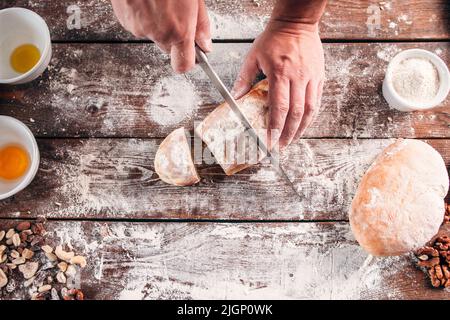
x: 235, y: 19
x: 233, y: 261
x: 129, y: 90
x: 115, y: 178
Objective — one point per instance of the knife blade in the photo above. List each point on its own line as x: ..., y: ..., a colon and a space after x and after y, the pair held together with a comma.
x: 203, y: 61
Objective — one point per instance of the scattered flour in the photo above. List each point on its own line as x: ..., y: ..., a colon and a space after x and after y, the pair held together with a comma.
x: 392, y: 25
x: 265, y: 174
x: 172, y: 100
x: 405, y: 19
x: 287, y: 261
x: 387, y: 52
x: 330, y: 187
x: 231, y: 26
x: 386, y: 5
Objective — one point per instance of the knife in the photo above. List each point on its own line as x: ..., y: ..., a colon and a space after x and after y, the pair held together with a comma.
x: 202, y: 60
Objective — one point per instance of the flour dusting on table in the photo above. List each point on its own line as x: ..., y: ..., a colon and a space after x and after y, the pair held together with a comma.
x: 284, y: 261
x: 172, y: 100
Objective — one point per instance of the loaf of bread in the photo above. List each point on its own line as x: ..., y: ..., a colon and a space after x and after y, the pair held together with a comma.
x: 223, y: 131
x: 399, y: 204
x: 173, y: 160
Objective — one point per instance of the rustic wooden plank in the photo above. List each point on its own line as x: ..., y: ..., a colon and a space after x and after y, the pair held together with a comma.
x: 129, y: 90
x: 350, y: 19
x: 115, y: 178
x: 233, y: 261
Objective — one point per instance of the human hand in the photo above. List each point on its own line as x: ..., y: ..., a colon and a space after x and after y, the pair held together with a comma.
x: 291, y: 56
x: 174, y: 25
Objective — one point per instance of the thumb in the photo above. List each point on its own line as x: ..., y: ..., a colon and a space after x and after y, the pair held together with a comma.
x: 203, y: 33
x: 247, y: 75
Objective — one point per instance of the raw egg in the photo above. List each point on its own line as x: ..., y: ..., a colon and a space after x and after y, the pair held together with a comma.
x: 24, y: 58
x: 14, y: 162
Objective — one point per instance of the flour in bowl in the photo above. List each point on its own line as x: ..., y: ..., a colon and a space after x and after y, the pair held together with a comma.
x: 416, y: 80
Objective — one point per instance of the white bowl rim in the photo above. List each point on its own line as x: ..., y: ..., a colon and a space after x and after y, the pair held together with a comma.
x: 439, y: 65
x: 43, y: 55
x: 34, y: 158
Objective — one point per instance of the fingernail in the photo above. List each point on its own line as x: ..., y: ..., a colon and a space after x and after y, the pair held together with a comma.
x: 233, y: 92
x: 237, y: 92
x: 205, y: 44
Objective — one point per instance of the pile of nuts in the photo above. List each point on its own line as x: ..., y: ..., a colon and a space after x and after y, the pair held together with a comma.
x: 27, y: 262
x: 436, y: 258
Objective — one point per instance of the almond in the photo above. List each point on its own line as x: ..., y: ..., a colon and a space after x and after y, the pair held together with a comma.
x: 27, y: 254
x: 14, y: 254
x: 79, y: 260
x: 61, y: 277
x: 64, y: 255
x: 29, y: 269
x: 45, y: 288
x: 51, y: 256
x: 47, y: 249
x: 10, y: 233
x: 20, y: 260
x: 62, y: 266
x: 16, y: 240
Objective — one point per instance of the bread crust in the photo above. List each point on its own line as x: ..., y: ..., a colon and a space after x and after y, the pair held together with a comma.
x: 399, y: 204
x: 173, y: 161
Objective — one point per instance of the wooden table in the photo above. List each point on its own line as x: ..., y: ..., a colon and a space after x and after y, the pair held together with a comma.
x: 245, y: 236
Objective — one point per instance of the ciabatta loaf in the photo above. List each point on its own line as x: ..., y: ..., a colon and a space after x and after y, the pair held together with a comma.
x: 224, y: 134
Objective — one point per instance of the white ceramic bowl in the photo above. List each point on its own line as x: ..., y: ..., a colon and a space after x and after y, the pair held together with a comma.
x: 13, y: 131
x: 399, y: 103
x: 20, y: 26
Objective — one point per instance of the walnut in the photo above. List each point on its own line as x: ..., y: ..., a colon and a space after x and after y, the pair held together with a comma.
x: 435, y: 282
x: 442, y: 243
x: 436, y: 259
x: 74, y: 294
x: 428, y: 257
x: 447, y: 213
x: 440, y: 276
x: 38, y: 228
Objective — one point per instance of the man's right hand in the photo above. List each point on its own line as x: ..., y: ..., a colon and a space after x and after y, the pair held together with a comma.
x: 174, y: 25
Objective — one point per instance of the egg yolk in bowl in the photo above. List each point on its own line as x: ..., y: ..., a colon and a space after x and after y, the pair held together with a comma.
x: 24, y: 58
x: 14, y: 162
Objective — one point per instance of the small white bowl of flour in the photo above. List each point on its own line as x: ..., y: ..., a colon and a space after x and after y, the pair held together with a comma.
x: 415, y: 80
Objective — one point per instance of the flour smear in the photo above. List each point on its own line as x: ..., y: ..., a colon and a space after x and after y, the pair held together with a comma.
x: 276, y: 262
x: 172, y: 100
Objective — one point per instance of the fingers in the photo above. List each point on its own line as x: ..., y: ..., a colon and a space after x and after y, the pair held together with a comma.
x: 203, y: 33
x: 295, y: 114
x: 247, y: 74
x: 183, y: 56
x: 279, y: 104
x: 311, y: 105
